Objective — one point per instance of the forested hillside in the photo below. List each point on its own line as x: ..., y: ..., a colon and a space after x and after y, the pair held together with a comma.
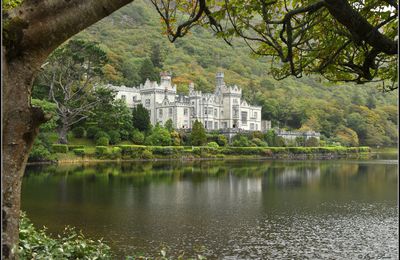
x: 137, y: 48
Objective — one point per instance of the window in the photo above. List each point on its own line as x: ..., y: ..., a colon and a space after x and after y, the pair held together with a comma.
x: 123, y: 97
x: 256, y: 126
x: 215, y: 112
x: 235, y: 112
x: 224, y: 125
x: 147, y: 103
x: 215, y: 125
x: 255, y: 114
x: 222, y: 112
x: 185, y: 111
x: 210, y: 125
x: 205, y: 124
x: 205, y: 111
x: 192, y: 103
x: 210, y: 111
x: 244, y: 117
x: 160, y: 112
x: 170, y: 112
x: 235, y: 101
x: 251, y: 126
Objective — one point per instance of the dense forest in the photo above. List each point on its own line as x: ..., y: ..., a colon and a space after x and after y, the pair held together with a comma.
x: 137, y: 49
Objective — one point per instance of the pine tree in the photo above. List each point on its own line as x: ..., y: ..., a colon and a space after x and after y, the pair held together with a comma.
x: 141, y: 118
x: 156, y: 57
x: 198, y: 136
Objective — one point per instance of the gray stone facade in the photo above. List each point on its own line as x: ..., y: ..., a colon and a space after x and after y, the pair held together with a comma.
x: 223, y: 109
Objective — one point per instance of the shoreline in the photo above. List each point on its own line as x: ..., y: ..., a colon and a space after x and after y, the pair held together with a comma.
x: 289, y: 157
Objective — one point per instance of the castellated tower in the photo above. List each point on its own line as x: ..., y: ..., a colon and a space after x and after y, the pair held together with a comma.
x: 219, y: 79
x: 165, y: 78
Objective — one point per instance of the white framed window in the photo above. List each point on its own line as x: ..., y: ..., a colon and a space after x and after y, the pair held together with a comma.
x: 147, y: 102
x: 244, y: 117
x: 251, y: 126
x: 160, y: 112
x: 185, y: 111
x: 215, y: 125
x: 215, y: 112
x: 255, y: 114
x: 170, y: 112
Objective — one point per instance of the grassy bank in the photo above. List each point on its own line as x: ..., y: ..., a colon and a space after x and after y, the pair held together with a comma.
x: 76, y: 153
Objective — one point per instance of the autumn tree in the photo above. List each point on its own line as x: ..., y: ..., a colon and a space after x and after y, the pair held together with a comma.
x: 360, y: 45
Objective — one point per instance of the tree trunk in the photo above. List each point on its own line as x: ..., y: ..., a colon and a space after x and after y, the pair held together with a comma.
x: 62, y: 133
x: 20, y: 127
x: 31, y: 32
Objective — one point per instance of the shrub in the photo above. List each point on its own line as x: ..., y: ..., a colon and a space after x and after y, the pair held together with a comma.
x: 213, y: 145
x: 39, y: 152
x: 115, y: 137
x: 101, y: 150
x: 101, y: 134
x: 132, y: 151
x: 146, y: 154
x: 312, y: 142
x: 167, y: 150
x: 75, y: 146
x: 137, y: 137
x: 159, y: 136
x: 79, y: 151
x: 92, y: 131
x: 175, y: 138
x: 60, y: 148
x: 78, y: 132
x: 115, y: 152
x: 36, y: 244
x: 102, y: 141
x: 259, y: 142
x: 221, y: 140
x: 240, y: 141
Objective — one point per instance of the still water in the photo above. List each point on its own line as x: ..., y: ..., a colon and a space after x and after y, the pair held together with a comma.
x: 224, y: 209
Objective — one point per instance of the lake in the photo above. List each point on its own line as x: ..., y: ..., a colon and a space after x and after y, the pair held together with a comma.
x: 337, y: 209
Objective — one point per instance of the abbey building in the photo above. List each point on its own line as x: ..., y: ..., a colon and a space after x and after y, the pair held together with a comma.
x: 223, y: 109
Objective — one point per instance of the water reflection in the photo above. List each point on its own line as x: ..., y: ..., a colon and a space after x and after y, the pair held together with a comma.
x: 226, y: 209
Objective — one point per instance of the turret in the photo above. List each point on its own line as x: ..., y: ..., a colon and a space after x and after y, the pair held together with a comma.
x: 165, y: 78
x: 219, y: 79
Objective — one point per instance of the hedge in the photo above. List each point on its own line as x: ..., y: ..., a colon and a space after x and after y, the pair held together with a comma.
x: 167, y: 150
x: 79, y: 151
x: 75, y: 146
x: 60, y: 148
x: 101, y: 150
x: 132, y: 151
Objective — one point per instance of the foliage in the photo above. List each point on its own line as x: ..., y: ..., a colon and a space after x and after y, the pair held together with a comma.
x: 78, y: 132
x: 312, y: 142
x: 240, y: 141
x: 141, y: 118
x: 346, y: 136
x: 39, y: 152
x: 79, y: 151
x: 213, y: 145
x: 169, y: 125
x: 259, y: 142
x: 101, y: 151
x: 148, y: 71
x: 159, y: 136
x: 221, y: 140
x: 36, y: 244
x: 198, y: 135
x: 100, y: 134
x: 111, y: 114
x: 137, y: 137
x: 92, y: 131
x: 69, y: 74
x: 60, y: 148
x: 115, y: 137
x: 175, y: 138
x: 48, y: 108
x: 102, y: 141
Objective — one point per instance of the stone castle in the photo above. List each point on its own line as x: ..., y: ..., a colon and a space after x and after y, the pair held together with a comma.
x: 223, y: 109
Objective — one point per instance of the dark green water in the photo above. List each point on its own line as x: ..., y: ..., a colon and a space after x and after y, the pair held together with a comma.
x: 225, y: 210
